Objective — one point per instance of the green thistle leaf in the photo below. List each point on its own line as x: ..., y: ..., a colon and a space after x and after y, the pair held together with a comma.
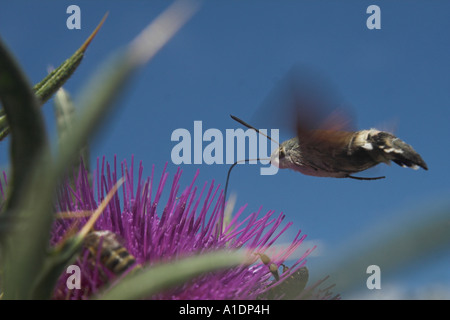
x: 146, y: 282
x: 22, y: 245
x: 55, y: 80
x: 65, y: 115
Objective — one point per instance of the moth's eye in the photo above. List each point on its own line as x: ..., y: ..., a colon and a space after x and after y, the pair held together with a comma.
x: 281, y: 154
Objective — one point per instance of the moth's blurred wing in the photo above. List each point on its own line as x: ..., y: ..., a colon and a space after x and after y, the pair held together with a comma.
x: 303, y: 99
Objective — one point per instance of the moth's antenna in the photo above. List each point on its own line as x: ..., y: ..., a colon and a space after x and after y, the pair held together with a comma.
x: 245, y: 124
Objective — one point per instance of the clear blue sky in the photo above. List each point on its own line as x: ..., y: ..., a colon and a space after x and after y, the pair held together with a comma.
x: 228, y: 58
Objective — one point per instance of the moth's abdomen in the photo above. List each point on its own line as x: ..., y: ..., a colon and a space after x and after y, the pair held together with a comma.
x: 385, y: 147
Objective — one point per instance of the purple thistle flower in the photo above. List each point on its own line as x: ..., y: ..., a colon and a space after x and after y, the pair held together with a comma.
x: 186, y: 226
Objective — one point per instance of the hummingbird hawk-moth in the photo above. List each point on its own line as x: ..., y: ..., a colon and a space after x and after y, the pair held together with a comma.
x: 326, y: 144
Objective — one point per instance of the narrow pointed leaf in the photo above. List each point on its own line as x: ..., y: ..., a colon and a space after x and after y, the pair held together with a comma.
x: 110, y: 81
x: 144, y: 283
x: 64, y: 110
x: 54, y: 80
x: 21, y: 107
x: 23, y: 244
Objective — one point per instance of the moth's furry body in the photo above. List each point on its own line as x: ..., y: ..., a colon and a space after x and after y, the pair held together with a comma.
x: 331, y: 153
